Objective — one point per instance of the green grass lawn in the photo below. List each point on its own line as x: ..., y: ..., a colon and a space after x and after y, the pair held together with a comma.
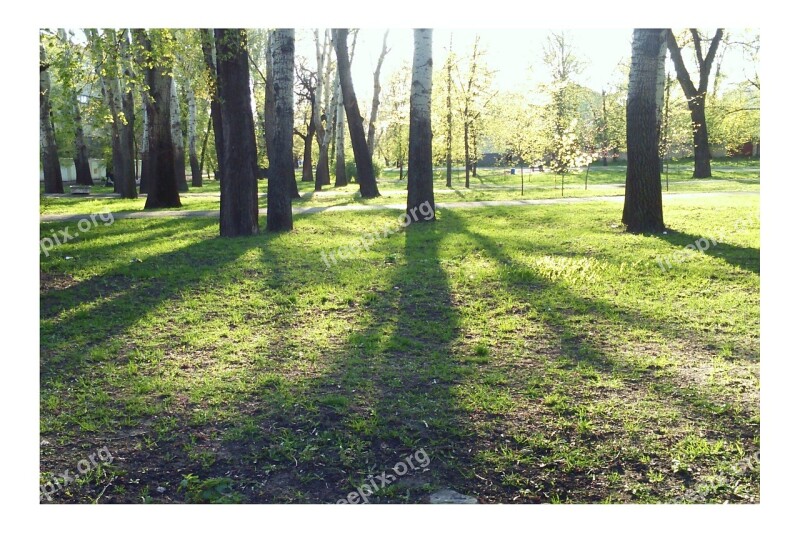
x: 536, y: 354
x: 490, y: 184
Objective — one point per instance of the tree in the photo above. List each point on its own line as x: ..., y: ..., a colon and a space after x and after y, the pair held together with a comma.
x: 51, y: 166
x: 111, y: 54
x: 376, y: 94
x: 449, y: 106
x: 210, y: 57
x: 68, y: 74
x: 238, y: 191
x: 325, y: 97
x: 155, y: 61
x: 395, y: 114
x: 643, y: 210
x: 474, y: 98
x: 366, y: 175
x: 420, y: 156
x: 177, y: 137
x: 696, y: 96
x: 191, y: 102
x: 279, y: 202
x: 307, y: 91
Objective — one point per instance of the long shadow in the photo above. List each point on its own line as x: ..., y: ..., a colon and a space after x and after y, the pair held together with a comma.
x: 743, y: 257
x: 576, y: 344
x: 385, y: 394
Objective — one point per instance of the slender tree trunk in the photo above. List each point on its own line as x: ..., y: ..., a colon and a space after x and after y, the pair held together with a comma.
x: 51, y: 166
x: 702, y: 150
x: 323, y: 131
x: 203, y: 150
x: 376, y: 94
x: 279, y: 203
x: 210, y: 56
x: 239, y: 190
x: 466, y: 152
x: 643, y: 210
x: 83, y: 173
x: 449, y: 140
x: 341, y: 171
x: 128, y: 177
x: 269, y: 103
x: 145, y: 148
x: 420, y: 154
x: 162, y: 190
x: 177, y: 138
x: 191, y: 104
x: 696, y: 96
x: 308, y: 143
x: 366, y: 175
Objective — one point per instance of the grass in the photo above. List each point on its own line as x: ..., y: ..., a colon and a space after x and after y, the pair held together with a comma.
x: 491, y: 184
x: 537, y: 354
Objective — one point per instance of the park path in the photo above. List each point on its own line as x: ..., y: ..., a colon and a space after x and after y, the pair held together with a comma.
x: 400, y: 206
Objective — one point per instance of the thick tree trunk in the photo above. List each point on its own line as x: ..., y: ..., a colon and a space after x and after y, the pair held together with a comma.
x: 177, y: 137
x: 210, y: 56
x: 279, y: 203
x: 162, y: 189
x: 239, y: 190
x: 643, y: 210
x: 376, y: 97
x: 51, y: 166
x: 341, y: 170
x: 420, y: 154
x: 191, y: 104
x: 366, y: 175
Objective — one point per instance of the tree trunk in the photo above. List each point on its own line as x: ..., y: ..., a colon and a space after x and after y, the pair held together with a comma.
x: 696, y: 96
x: 210, y: 56
x: 83, y: 173
x: 145, y: 178
x: 191, y: 103
x: 324, y: 98
x: 466, y: 153
x: 308, y: 142
x: 366, y: 175
x: 203, y: 150
x: 279, y: 203
x: 643, y: 210
x: 238, y: 191
x: 51, y: 166
x: 269, y: 103
x: 128, y: 177
x: 376, y: 93
x: 177, y: 137
x: 162, y: 189
x: 420, y: 154
x: 341, y: 170
x: 449, y: 140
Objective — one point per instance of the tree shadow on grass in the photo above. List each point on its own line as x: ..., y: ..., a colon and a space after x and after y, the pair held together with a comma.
x: 739, y: 256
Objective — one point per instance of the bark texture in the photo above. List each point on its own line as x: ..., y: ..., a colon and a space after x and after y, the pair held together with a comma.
x: 238, y: 191
x: 355, y: 122
x: 420, y: 155
x: 51, y: 166
x: 643, y: 210
x: 279, y: 203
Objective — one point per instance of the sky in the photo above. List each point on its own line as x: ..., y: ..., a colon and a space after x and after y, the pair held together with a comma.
x: 514, y: 54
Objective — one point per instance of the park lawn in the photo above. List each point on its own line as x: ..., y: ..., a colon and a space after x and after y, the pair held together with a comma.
x: 536, y: 354
x: 489, y: 185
